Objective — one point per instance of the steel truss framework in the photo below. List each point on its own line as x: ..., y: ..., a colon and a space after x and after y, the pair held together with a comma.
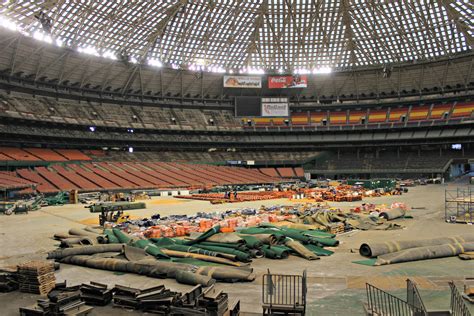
x: 275, y: 35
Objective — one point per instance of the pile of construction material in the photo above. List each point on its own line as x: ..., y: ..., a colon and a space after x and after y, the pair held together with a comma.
x: 8, y: 280
x: 36, y: 277
x: 160, y: 300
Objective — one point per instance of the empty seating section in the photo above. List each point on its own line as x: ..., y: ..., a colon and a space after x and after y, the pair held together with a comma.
x: 419, y: 113
x: 299, y: 118
x: 9, y: 180
x: 286, y: 172
x: 126, y: 175
x: 72, y: 154
x: 102, y: 183
x: 43, y: 185
x: 377, y: 116
x: 317, y: 118
x: 440, y: 111
x: 40, y: 154
x: 272, y: 172
x: 463, y: 110
x: 299, y: 172
x: 355, y: 117
x: 78, y: 180
x: 45, y: 154
x: 18, y: 154
x: 117, y: 180
x: 338, y: 117
x: 53, y: 177
x: 396, y: 114
x: 114, y: 115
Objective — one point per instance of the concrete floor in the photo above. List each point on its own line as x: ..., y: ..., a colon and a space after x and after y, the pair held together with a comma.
x: 336, y: 285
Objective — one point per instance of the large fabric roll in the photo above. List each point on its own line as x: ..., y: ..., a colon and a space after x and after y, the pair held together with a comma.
x: 182, y: 254
x: 300, y: 249
x: 70, y: 242
x: 393, y: 213
x: 423, y: 253
x: 86, y: 250
x: 239, y: 255
x: 376, y: 249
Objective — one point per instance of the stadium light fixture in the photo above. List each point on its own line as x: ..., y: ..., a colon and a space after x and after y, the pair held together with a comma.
x: 92, y: 128
x: 322, y: 70
x: 6, y: 23
x: 40, y: 36
x: 130, y: 149
x: 154, y: 62
x: 88, y: 50
x: 109, y: 54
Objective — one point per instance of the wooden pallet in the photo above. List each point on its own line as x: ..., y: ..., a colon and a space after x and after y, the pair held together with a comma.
x: 36, y: 267
x: 41, y: 289
x: 36, y: 279
x: 336, y: 228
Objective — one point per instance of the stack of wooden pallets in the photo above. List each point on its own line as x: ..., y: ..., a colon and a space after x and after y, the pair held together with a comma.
x: 36, y: 277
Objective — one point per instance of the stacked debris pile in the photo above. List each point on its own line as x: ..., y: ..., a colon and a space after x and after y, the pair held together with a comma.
x: 36, y: 277
x: 8, y: 280
x: 61, y: 300
x: 412, y: 250
x: 160, y: 300
x: 95, y: 294
x: 337, y: 193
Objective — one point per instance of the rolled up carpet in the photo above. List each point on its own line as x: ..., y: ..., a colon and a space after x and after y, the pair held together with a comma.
x: 182, y: 254
x: 251, y: 241
x: 238, y: 246
x: 393, y: 213
x: 256, y: 253
x: 269, y: 239
x: 239, y: 255
x: 275, y: 252
x: 423, y: 253
x: 158, y: 270
x: 59, y: 236
x: 86, y: 250
x: 300, y: 249
x: 225, y: 238
x: 145, y: 244
x: 227, y: 274
x: 376, y: 249
x: 214, y: 230
x: 191, y: 278
x: 110, y: 236
x: 70, y: 242
x: 82, y: 232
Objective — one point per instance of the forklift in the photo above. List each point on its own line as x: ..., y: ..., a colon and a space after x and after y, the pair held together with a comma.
x: 113, y: 215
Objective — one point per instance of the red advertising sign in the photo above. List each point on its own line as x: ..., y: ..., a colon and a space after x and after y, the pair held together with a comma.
x: 283, y: 82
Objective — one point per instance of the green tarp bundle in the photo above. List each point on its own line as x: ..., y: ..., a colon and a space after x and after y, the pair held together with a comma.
x: 275, y: 252
x: 240, y: 255
x: 145, y: 244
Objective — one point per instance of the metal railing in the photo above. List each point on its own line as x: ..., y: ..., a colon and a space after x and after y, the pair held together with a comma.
x: 382, y: 303
x: 458, y: 308
x: 414, y: 297
x: 284, y: 290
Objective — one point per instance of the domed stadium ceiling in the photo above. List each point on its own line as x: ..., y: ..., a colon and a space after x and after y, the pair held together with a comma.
x: 255, y: 35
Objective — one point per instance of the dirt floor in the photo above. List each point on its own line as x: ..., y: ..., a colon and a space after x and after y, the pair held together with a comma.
x: 336, y: 285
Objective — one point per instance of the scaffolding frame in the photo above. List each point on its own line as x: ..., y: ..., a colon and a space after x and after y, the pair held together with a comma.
x: 459, y: 205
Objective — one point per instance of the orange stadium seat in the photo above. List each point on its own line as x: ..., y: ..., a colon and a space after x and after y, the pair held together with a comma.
x: 262, y: 121
x: 73, y: 154
x: 317, y: 117
x: 45, y: 154
x: 419, y: 113
x: 18, y: 154
x: 338, y: 118
x: 438, y: 111
x: 463, y: 110
x: 396, y: 114
x: 378, y: 116
x: 299, y: 118
x: 355, y: 117
x: 279, y: 121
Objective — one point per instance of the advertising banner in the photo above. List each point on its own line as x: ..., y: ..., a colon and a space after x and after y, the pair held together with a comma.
x: 252, y: 82
x: 284, y: 82
x: 275, y: 109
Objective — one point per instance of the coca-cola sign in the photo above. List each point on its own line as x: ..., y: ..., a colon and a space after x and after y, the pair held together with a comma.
x: 284, y: 82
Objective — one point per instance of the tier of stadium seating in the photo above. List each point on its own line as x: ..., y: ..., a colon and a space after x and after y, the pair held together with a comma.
x: 386, y: 162
x: 113, y: 115
x: 41, y: 154
x: 390, y: 116
x: 283, y: 172
x: 98, y: 176
x: 159, y: 117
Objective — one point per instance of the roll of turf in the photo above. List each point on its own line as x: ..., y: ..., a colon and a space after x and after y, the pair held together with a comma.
x: 393, y: 213
x: 376, y: 249
x: 423, y: 253
x: 191, y: 278
x: 239, y: 255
